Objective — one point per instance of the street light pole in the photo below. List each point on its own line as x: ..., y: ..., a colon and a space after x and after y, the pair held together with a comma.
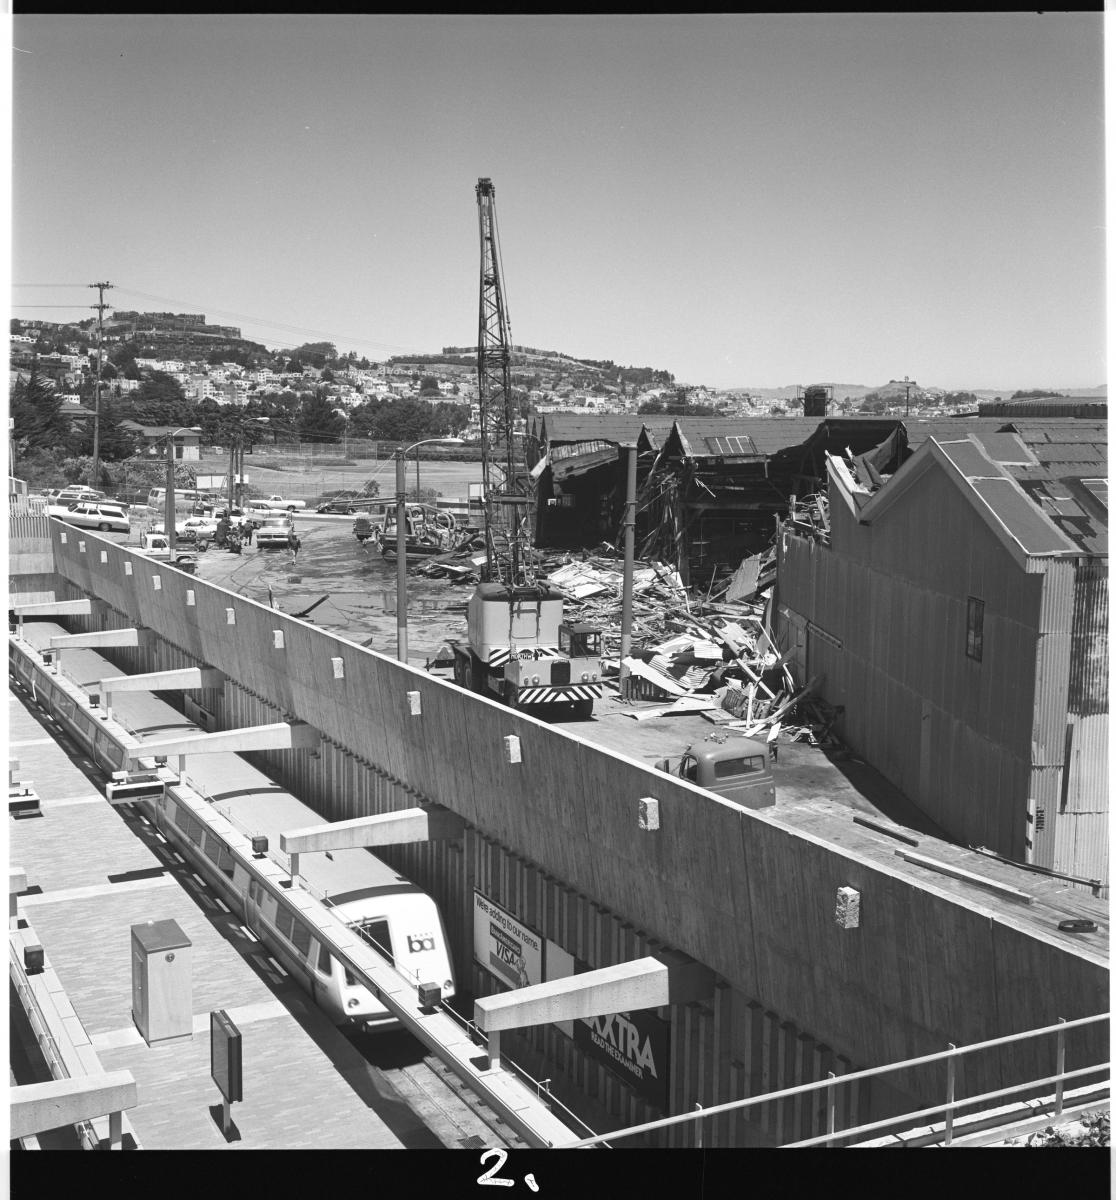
x: 401, y: 537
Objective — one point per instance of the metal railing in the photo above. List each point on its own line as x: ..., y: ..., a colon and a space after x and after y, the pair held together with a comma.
x: 541, y: 1086
x: 951, y: 1105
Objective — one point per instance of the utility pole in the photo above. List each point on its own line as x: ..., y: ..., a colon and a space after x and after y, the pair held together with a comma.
x: 100, y: 307
x: 169, y: 506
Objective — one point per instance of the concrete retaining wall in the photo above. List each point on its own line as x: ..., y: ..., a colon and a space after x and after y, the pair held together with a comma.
x: 750, y: 899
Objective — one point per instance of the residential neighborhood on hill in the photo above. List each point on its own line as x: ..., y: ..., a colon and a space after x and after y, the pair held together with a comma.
x: 158, y: 368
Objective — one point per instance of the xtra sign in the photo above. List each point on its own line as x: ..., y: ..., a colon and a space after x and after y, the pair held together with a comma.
x: 633, y: 1045
x: 511, y: 951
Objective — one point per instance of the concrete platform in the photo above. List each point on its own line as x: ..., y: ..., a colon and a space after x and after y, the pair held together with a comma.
x: 90, y: 877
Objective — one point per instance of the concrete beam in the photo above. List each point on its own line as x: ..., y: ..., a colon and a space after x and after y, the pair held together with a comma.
x: 55, y: 608
x: 279, y: 736
x: 188, y: 678
x: 103, y: 637
x: 37, y: 1107
x: 17, y: 880
x: 643, y: 983
x: 386, y: 829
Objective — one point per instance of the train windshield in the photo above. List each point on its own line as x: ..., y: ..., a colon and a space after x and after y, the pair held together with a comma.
x: 375, y: 931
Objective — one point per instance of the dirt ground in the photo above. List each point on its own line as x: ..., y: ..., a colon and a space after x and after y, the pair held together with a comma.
x: 309, y: 479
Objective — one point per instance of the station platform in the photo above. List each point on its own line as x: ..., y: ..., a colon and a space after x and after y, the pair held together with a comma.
x: 92, y: 873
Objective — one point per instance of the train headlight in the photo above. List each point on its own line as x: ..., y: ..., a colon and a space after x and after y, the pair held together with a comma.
x: 584, y: 676
x: 353, y: 1002
x: 447, y: 986
x: 534, y: 679
x: 594, y: 676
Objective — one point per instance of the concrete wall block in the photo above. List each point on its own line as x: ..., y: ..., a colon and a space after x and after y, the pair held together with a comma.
x: 848, y: 908
x: 512, y: 751
x: 648, y: 813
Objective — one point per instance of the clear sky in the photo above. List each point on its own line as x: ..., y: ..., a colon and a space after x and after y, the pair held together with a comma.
x: 742, y: 200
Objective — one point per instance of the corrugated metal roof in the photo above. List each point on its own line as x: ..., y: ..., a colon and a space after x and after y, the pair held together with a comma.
x: 1033, y: 530
x: 610, y: 427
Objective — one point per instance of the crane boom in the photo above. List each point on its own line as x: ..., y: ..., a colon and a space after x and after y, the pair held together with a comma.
x: 520, y: 648
x: 505, y: 497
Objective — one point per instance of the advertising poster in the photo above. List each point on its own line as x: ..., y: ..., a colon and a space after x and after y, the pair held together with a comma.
x: 560, y: 964
x: 633, y: 1045
x: 511, y: 951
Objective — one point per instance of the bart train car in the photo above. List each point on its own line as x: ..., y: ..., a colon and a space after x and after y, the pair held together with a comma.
x: 396, y: 917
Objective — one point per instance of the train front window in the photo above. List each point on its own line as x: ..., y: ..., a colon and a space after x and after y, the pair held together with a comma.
x: 376, y: 933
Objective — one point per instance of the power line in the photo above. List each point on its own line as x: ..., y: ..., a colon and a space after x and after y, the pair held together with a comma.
x: 267, y: 323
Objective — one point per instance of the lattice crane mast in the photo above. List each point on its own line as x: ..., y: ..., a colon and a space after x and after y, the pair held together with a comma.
x: 506, y: 501
x: 520, y: 649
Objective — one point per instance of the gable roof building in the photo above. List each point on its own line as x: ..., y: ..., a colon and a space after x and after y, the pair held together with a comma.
x: 959, y: 614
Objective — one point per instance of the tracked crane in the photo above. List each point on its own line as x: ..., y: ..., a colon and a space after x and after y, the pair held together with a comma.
x: 520, y: 650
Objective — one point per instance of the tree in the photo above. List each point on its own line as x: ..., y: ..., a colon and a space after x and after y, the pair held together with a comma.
x: 317, y: 420
x: 160, y: 400
x: 36, y: 411
x: 429, y: 386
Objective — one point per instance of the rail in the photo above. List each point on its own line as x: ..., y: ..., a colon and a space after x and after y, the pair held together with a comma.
x: 830, y: 1085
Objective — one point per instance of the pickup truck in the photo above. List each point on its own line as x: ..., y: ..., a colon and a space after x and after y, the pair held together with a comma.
x: 276, y: 533
x: 279, y: 502
x: 156, y: 546
x: 740, y: 771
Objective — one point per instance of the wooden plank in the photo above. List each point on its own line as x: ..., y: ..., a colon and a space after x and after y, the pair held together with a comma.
x: 935, y: 864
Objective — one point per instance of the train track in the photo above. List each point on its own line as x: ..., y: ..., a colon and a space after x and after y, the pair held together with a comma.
x: 457, y: 1118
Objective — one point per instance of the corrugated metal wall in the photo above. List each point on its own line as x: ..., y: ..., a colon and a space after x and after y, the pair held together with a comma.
x: 953, y: 733
x: 1081, y: 843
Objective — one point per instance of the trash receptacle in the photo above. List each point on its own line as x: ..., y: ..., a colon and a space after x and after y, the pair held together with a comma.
x: 162, y: 987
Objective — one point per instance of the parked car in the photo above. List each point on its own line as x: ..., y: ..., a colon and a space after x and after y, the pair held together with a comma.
x: 71, y: 494
x: 96, y: 515
x: 198, y: 529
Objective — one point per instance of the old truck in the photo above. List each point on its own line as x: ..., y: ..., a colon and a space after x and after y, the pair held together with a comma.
x: 155, y: 545
x: 739, y: 770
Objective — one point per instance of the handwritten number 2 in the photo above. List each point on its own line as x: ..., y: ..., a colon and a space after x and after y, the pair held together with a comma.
x: 488, y: 1179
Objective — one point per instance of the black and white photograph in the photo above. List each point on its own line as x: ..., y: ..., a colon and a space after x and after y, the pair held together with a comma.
x: 558, y: 598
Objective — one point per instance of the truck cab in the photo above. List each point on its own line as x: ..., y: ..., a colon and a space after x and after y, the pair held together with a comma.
x: 740, y: 771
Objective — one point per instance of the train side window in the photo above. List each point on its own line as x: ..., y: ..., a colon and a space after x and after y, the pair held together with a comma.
x: 325, y: 963
x: 350, y: 978
x: 301, y: 938
x: 224, y: 861
x: 283, y: 922
x: 253, y: 891
x: 67, y: 708
x: 181, y: 816
x: 194, y: 831
x: 111, y: 751
x: 212, y: 848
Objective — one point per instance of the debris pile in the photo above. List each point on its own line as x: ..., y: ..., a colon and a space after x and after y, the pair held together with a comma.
x: 713, y: 655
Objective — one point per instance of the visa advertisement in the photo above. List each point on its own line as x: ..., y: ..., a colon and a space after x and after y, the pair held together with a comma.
x: 511, y: 951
